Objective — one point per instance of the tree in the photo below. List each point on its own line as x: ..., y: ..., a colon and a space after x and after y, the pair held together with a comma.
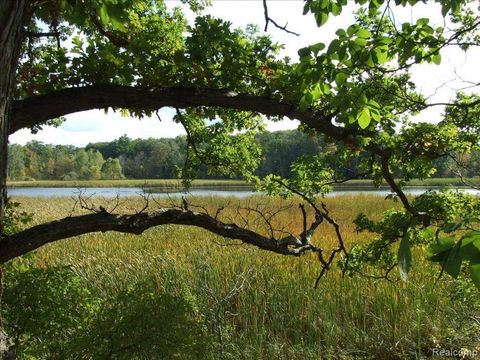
x: 112, y: 170
x: 356, y: 91
x: 16, y: 162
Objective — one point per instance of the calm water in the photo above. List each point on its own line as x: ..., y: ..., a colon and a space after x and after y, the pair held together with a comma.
x: 128, y: 191
x: 123, y: 192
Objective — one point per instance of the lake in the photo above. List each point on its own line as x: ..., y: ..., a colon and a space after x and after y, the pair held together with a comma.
x: 212, y: 191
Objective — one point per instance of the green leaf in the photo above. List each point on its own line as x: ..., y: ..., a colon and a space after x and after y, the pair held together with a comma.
x: 352, y: 29
x: 306, y: 101
x: 333, y: 47
x: 440, y: 250
x: 340, y: 78
x: 423, y: 21
x: 116, y: 16
x: 373, y: 104
x: 342, y: 52
x: 103, y: 12
x: 364, y: 118
x: 454, y: 261
x: 335, y: 9
x: 363, y: 33
x: 476, y: 243
x: 303, y: 52
x: 437, y: 59
x: 370, y: 61
x: 317, y: 47
x: 340, y: 33
x: 316, y: 93
x: 445, y: 9
x: 324, y: 88
x: 321, y: 18
x: 375, y: 115
x: 404, y: 257
x: 306, y: 8
x: 475, y: 273
x: 382, y: 55
x: 360, y: 41
x: 470, y: 249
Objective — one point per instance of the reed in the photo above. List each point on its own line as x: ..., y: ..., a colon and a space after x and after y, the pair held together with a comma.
x: 244, y: 303
x: 175, y: 183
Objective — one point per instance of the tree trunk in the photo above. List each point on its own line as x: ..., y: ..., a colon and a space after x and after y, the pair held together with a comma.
x: 12, y: 17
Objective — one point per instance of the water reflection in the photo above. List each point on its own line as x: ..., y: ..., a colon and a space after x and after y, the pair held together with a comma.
x: 239, y: 192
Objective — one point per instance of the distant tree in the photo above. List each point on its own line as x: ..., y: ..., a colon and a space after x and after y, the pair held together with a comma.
x: 281, y: 148
x: 16, y: 162
x: 112, y: 170
x: 65, y: 164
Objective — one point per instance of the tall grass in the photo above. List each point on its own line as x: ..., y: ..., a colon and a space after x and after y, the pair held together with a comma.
x: 222, y: 300
x: 175, y: 183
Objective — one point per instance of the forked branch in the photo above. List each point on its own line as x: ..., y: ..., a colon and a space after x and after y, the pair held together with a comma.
x: 37, y: 236
x: 269, y: 20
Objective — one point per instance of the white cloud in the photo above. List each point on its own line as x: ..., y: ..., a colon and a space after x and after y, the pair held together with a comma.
x: 96, y: 126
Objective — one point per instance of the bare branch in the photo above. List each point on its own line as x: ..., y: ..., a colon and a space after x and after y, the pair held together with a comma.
x: 387, y: 175
x: 37, y: 236
x: 462, y: 166
x: 268, y: 20
x: 40, y: 34
x: 384, y: 276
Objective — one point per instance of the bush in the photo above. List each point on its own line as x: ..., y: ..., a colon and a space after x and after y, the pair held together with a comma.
x: 52, y: 313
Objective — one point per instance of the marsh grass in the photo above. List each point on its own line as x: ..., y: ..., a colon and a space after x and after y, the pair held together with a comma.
x: 202, y: 183
x: 222, y: 300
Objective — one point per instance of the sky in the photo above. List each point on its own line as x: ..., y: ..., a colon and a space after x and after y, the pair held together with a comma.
x: 439, y: 82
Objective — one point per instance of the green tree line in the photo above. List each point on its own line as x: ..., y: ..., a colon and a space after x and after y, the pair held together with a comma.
x: 162, y: 158
x: 38, y: 161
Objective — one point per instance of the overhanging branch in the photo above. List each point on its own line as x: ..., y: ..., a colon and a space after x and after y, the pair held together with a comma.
x: 36, y: 110
x: 37, y: 236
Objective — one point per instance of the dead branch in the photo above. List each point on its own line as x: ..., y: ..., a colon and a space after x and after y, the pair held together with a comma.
x: 269, y: 20
x: 101, y: 220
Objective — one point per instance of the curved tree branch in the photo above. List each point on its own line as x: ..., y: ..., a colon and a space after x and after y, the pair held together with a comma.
x: 114, y: 38
x: 387, y: 175
x: 37, y: 236
x: 36, y: 110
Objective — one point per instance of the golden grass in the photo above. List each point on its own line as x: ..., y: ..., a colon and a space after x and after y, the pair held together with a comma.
x: 162, y: 183
x: 277, y: 314
x: 176, y: 183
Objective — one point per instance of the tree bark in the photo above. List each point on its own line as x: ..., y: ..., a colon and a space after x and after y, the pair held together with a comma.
x: 30, y: 239
x: 12, y: 17
x: 37, y: 109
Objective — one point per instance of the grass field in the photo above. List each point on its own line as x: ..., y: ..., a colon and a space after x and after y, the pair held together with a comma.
x: 173, y: 183
x: 183, y: 293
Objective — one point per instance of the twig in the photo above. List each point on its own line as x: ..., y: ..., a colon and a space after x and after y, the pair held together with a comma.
x: 268, y: 20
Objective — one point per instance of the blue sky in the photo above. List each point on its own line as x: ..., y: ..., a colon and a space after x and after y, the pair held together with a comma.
x: 94, y: 126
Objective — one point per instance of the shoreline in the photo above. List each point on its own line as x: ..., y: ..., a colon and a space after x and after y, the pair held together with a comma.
x: 212, y: 183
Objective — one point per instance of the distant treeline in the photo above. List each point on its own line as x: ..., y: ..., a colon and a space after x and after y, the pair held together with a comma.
x: 160, y: 158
